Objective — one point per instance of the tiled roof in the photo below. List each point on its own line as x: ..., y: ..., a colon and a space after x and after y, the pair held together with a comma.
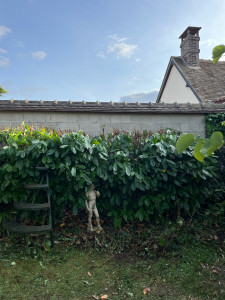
x: 219, y: 100
x: 109, y: 107
x: 207, y: 81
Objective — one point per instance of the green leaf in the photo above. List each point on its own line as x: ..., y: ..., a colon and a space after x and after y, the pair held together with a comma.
x: 216, y: 139
x: 99, y: 172
x: 73, y: 150
x: 158, y: 158
x: 115, y: 167
x: 75, y: 210
x: 50, y: 152
x: 67, y: 161
x: 165, y: 176
x: 128, y: 170
x: 138, y: 176
x: 215, y: 142
x: 147, y: 202
x: 197, y: 152
x: 117, y: 222
x: 47, y: 247
x: 217, y: 53
x: 184, y: 142
x: 95, y: 161
x: 64, y: 146
x: 73, y: 171
x: 152, y: 162
x: 22, y: 155
x: 133, y: 186
x: 44, y: 160
x: 139, y: 214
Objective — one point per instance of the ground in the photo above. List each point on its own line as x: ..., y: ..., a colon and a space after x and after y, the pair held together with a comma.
x: 137, y: 262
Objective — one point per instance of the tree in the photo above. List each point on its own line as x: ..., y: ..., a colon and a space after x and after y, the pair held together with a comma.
x: 217, y: 53
x: 2, y: 91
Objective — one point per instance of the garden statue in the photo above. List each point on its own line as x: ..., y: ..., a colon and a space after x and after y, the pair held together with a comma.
x: 91, y: 207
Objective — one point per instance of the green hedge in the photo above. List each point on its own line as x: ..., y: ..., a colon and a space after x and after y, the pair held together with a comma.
x: 213, y: 122
x: 139, y: 175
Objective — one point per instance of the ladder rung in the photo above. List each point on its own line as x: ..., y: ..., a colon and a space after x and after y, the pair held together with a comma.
x: 15, y: 227
x: 41, y: 168
x: 31, y: 206
x: 36, y: 186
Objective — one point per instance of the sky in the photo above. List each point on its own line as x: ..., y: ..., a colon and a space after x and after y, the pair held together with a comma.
x: 97, y: 50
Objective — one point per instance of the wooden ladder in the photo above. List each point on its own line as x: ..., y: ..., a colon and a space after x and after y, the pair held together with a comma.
x: 14, y: 226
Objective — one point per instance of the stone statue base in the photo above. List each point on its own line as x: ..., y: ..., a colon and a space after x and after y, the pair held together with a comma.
x: 93, y: 229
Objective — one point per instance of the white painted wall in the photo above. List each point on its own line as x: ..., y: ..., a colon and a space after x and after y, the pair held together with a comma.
x: 176, y: 91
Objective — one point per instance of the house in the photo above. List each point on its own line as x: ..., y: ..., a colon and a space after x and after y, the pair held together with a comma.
x: 190, y: 79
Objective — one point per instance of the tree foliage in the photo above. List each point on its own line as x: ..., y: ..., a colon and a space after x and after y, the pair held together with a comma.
x: 214, y: 122
x: 217, y: 53
x: 2, y: 91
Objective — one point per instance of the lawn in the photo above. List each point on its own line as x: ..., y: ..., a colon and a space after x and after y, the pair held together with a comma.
x: 134, y: 262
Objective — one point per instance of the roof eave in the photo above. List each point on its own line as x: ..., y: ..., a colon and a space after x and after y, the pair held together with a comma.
x: 169, y: 67
x: 172, y: 63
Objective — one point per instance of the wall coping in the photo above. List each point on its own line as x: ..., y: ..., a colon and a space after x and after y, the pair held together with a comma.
x: 110, y: 107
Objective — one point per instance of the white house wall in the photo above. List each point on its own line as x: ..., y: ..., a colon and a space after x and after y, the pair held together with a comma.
x: 175, y: 89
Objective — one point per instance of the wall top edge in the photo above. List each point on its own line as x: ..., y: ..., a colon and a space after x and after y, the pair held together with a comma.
x: 42, y: 105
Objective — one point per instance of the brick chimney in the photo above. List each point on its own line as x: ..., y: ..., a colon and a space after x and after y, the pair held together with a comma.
x: 190, y: 46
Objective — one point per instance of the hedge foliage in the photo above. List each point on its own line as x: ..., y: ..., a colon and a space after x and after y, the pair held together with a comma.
x: 213, y: 122
x: 139, y: 175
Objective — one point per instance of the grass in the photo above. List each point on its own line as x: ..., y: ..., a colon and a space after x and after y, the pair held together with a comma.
x: 88, y: 267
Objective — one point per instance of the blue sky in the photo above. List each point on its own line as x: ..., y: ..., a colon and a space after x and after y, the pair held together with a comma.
x: 97, y: 49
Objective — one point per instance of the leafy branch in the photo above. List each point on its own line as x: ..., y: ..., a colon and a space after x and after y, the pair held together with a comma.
x: 217, y: 53
x: 203, y: 148
x: 2, y: 91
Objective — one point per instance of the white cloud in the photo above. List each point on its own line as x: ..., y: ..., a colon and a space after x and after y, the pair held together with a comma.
x: 3, y: 51
x: 140, y: 97
x: 18, y: 43
x: 222, y: 58
x: 4, y: 62
x: 115, y: 37
x: 133, y: 80
x: 39, y: 55
x: 4, y: 31
x: 120, y: 48
x: 101, y: 55
x: 209, y: 42
x: 137, y: 59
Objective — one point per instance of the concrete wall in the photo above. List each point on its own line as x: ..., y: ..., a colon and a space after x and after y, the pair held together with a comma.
x: 176, y: 90
x: 92, y: 123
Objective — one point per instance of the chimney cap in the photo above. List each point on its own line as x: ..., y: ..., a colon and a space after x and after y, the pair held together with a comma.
x: 193, y: 30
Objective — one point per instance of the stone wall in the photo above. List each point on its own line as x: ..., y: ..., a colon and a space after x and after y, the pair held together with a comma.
x: 93, y: 123
x: 93, y: 117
